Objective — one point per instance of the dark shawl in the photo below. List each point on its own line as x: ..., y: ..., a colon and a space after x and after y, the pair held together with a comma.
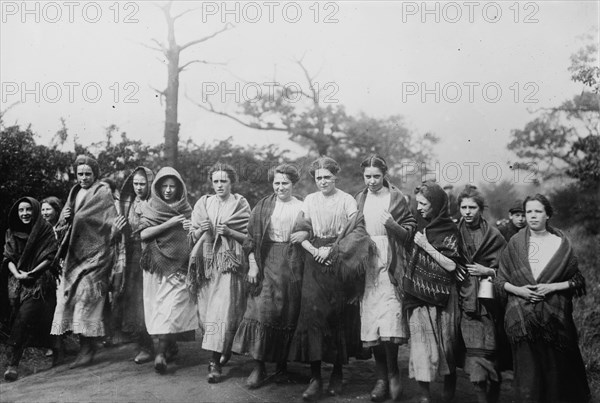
x: 29, y: 245
x: 441, y: 232
x: 87, y: 241
x: 550, y: 320
x: 220, y: 253
x: 260, y: 218
x: 487, y: 254
x: 169, y: 251
x: 399, y: 234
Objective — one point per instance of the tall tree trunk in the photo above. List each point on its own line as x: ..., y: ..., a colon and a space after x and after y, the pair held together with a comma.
x: 171, y: 100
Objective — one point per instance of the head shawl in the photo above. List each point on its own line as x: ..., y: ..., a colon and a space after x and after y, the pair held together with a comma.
x: 128, y: 194
x: 85, y: 160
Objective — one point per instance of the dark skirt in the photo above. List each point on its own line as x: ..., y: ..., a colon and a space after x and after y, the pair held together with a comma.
x: 128, y: 309
x: 33, y: 321
x: 546, y: 374
x: 320, y: 334
x: 269, y: 323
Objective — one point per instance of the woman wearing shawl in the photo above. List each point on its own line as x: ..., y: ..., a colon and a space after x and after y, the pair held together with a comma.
x: 338, y: 249
x: 539, y: 276
x: 29, y: 250
x: 481, y: 247
x: 276, y: 275
x: 218, y: 264
x: 164, y: 225
x: 128, y: 290
x: 86, y: 235
x: 434, y: 329
x: 383, y: 324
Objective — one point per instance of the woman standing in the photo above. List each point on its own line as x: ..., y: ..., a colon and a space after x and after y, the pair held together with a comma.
x: 338, y: 248
x: 390, y: 225
x: 275, y: 275
x: 431, y: 301
x: 51, y: 208
x: 164, y: 224
x: 128, y: 290
x: 218, y: 264
x: 87, y: 234
x: 539, y: 275
x: 481, y: 247
x: 29, y: 251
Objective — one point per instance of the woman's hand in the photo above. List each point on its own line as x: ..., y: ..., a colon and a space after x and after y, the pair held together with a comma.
x: 187, y: 224
x: 253, y: 273
x: 67, y: 213
x: 120, y: 223
x: 322, y: 254
x: 545, y: 289
x: 421, y: 240
x: 299, y: 237
x: 479, y: 270
x: 23, y: 276
x: 175, y: 220
x: 529, y: 292
x: 222, y: 229
x: 205, y: 225
x: 386, y: 219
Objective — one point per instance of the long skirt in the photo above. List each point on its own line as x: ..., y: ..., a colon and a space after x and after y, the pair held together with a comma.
x: 33, y: 321
x: 269, y: 323
x: 434, y: 340
x: 221, y: 305
x: 320, y: 332
x: 168, y: 306
x: 381, y: 312
x: 479, y: 335
x: 84, y: 314
x: 128, y: 309
x: 545, y: 374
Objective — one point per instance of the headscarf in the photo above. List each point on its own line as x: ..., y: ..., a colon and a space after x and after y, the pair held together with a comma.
x: 29, y: 245
x: 127, y: 194
x: 85, y: 160
x: 168, y: 252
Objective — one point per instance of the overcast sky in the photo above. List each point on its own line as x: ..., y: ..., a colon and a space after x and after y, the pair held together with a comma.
x: 375, y: 57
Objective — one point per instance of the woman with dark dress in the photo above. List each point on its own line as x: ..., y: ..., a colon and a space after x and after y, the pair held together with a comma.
x: 275, y: 277
x: 29, y: 250
x: 539, y: 276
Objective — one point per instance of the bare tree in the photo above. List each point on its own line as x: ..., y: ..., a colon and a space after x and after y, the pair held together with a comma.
x: 172, y: 52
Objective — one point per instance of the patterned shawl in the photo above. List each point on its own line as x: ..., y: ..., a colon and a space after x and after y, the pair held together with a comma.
x: 399, y: 235
x: 168, y: 252
x: 27, y: 247
x: 212, y: 254
x: 441, y: 232
x: 552, y: 319
x: 487, y: 254
x: 87, y: 241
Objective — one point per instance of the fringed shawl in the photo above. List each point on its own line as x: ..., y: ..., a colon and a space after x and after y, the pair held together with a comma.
x: 487, y: 254
x: 168, y: 252
x: 442, y: 233
x: 399, y: 235
x: 28, y: 249
x: 550, y: 320
x: 87, y: 241
x: 212, y: 254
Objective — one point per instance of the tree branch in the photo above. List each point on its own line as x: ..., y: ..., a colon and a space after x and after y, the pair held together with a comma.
x: 227, y: 27
x: 199, y: 61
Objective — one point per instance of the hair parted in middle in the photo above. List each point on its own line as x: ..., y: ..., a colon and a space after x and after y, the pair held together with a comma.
x: 543, y: 200
x: 375, y: 161
x: 324, y: 163
x: 470, y: 192
x: 228, y: 169
x: 288, y: 170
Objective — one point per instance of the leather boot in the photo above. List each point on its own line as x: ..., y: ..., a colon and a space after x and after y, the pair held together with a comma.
x: 314, y: 390
x: 380, y: 391
x: 86, y: 352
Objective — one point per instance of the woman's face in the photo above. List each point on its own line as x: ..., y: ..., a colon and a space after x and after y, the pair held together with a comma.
x: 140, y: 186
x: 221, y: 184
x: 535, y: 214
x: 282, y: 187
x: 325, y: 181
x: 85, y: 176
x: 469, y: 209
x: 424, y: 206
x: 168, y: 189
x: 49, y: 214
x: 373, y: 178
x: 25, y: 212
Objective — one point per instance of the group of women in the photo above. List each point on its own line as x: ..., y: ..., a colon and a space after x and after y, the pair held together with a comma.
x: 313, y: 280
